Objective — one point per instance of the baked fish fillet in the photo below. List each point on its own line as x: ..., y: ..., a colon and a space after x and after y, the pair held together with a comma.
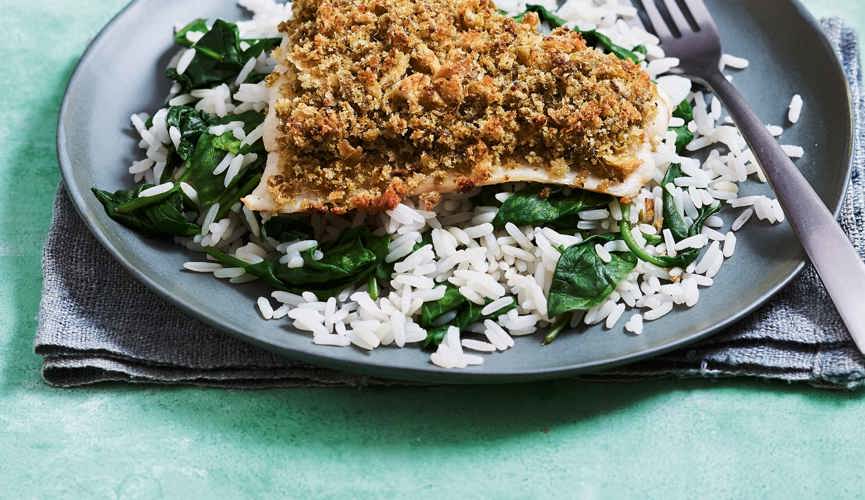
x: 373, y: 101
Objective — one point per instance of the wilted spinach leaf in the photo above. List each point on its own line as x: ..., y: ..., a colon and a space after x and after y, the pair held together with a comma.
x: 684, y: 111
x: 343, y: 261
x: 219, y: 56
x: 227, y: 143
x: 469, y: 313
x: 548, y: 207
x: 198, y: 26
x: 349, y: 260
x: 683, y: 136
x: 264, y: 270
x: 250, y: 119
x: 290, y: 227
x: 582, y: 280
x: 431, y: 311
x: 556, y: 328
x: 200, y: 152
x: 672, y: 219
x: 435, y: 336
x: 191, y: 123
x: 209, y: 152
x: 160, y: 215
x: 199, y: 171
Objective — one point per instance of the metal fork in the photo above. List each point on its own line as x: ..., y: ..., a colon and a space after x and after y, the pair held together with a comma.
x: 690, y: 34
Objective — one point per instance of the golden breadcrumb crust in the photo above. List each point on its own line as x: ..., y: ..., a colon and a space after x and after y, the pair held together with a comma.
x: 380, y: 97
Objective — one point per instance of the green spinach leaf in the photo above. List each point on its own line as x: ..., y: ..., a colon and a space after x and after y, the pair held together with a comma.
x: 653, y: 239
x: 672, y: 219
x: 161, y: 215
x: 435, y: 336
x: 197, y: 26
x: 431, y: 311
x: 265, y: 270
x: 537, y: 208
x: 191, y: 123
x: 343, y: 261
x: 683, y: 135
x: 684, y: 111
x: 291, y: 227
x: 469, y: 313
x: 556, y: 328
x: 583, y: 280
x: 348, y: 261
x: 219, y: 55
x: 199, y: 172
x: 250, y: 119
x: 208, y: 153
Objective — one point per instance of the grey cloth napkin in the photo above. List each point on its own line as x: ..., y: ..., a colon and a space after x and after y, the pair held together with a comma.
x: 97, y: 324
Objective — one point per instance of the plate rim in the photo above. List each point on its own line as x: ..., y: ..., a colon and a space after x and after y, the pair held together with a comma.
x: 429, y: 373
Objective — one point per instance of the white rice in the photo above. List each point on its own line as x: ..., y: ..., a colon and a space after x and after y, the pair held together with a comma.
x: 594, y: 215
x: 287, y: 298
x: 255, y: 135
x: 742, y: 219
x: 696, y: 241
x: 731, y: 61
x: 141, y: 166
x: 209, y: 217
x: 496, y: 305
x: 793, y: 151
x: 156, y: 190
x: 603, y: 253
x: 202, y: 267
x: 478, y: 345
x: 614, y: 316
x: 265, y: 308
x: 497, y: 336
x: 245, y: 72
x: 190, y: 192
x: 185, y: 61
x: 181, y: 100
x: 775, y: 130
x: 229, y: 272
x: 658, y: 311
x: 635, y: 324
x: 233, y: 169
x: 729, y: 244
x: 795, y: 109
x: 194, y: 36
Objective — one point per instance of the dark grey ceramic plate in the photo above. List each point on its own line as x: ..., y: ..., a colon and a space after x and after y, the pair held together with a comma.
x: 121, y: 73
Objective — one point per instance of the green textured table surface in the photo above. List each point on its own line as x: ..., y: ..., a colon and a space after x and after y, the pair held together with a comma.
x: 669, y: 439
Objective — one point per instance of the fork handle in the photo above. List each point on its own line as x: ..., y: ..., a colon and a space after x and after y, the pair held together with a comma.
x: 836, y: 261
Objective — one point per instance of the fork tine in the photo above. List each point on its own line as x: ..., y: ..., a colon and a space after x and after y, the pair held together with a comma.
x: 658, y: 23
x: 677, y: 15
x: 700, y: 13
